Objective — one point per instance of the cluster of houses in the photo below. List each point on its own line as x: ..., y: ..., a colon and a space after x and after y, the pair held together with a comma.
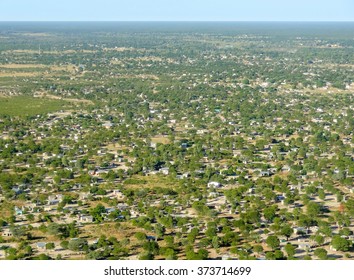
x: 216, y: 128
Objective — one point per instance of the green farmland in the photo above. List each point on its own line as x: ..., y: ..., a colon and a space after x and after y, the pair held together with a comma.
x: 29, y: 106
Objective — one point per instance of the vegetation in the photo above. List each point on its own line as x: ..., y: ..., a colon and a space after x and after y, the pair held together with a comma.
x: 176, y: 141
x: 30, y: 106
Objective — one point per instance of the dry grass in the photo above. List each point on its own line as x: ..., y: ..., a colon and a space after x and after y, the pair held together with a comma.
x: 94, y: 203
x: 68, y: 68
x: 22, y: 66
x: 150, y: 58
x: 33, y: 70
x: 153, y: 181
x: 55, y: 52
x: 22, y: 74
x: 6, y: 209
x: 140, y: 76
x: 160, y: 139
x: 122, y: 49
x: 69, y: 51
x: 109, y: 229
x: 117, y: 62
x: 39, y: 34
x: 74, y: 100
x: 22, y: 51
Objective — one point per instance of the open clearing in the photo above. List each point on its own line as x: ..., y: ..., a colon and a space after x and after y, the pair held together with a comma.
x: 29, y: 106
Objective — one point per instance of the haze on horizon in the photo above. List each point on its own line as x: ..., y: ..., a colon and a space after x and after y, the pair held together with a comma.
x: 173, y: 10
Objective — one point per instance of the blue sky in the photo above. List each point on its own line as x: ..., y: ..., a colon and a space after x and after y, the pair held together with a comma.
x: 176, y: 10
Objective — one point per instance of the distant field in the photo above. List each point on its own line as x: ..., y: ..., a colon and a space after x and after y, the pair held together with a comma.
x: 151, y: 182
x: 160, y: 139
x: 29, y: 106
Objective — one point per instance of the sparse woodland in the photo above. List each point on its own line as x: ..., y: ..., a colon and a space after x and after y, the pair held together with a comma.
x: 176, y: 142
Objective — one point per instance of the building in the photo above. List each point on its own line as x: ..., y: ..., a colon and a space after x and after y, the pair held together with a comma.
x: 214, y: 185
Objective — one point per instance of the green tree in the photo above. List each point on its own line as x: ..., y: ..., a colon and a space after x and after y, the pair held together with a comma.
x: 54, y: 229
x: 290, y: 250
x: 151, y: 247
x: 202, y: 254
x: 273, y: 241
x: 77, y: 244
x: 319, y: 239
x: 279, y: 255
x: 340, y: 243
x: 19, y: 231
x: 97, y: 212
x: 50, y: 246
x: 320, y: 253
x: 313, y: 209
x: 43, y: 257
x: 215, y: 242
x: 269, y: 213
x: 287, y: 231
x: 270, y: 256
x: 64, y: 244
x: 257, y: 249
x: 140, y: 236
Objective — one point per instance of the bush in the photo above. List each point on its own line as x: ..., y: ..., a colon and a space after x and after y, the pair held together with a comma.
x: 50, y: 246
x: 78, y: 244
x: 340, y: 243
x: 140, y: 236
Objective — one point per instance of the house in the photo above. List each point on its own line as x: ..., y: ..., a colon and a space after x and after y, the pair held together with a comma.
x: 180, y: 177
x: 118, y: 194
x: 86, y: 219
x: 265, y: 174
x: 6, y: 232
x: 214, y: 185
x: 301, y: 230
x: 100, y: 172
x: 101, y: 152
x: 286, y: 168
x: 225, y: 257
x: 18, y: 211
x: 332, y: 248
x: 122, y: 206
x: 151, y: 238
x: 314, y: 229
x: 213, y: 194
x: 41, y: 245
x: 17, y: 190
x: 164, y: 170
x: 55, y: 199
x: 49, y: 208
x: 107, y: 125
x: 184, y: 145
x: 202, y: 131
x: 134, y: 213
x: 83, y: 196
x: 108, y: 212
x: 304, y: 246
x: 120, y: 158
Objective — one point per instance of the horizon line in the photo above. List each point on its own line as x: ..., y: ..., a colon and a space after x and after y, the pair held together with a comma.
x: 196, y: 21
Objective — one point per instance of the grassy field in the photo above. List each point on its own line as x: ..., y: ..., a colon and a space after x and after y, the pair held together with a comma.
x: 151, y: 182
x: 160, y: 139
x: 6, y: 210
x: 29, y: 106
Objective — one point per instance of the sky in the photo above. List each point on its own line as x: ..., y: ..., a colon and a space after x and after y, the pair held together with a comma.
x: 176, y: 10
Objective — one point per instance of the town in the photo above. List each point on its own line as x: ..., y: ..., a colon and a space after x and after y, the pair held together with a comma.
x: 178, y: 142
